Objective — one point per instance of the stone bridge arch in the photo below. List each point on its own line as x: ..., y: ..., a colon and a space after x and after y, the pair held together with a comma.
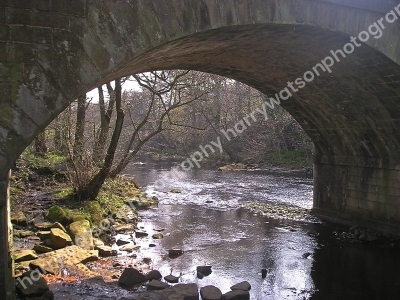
x: 53, y: 51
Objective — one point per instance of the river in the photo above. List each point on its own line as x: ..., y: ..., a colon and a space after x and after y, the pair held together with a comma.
x: 303, y: 260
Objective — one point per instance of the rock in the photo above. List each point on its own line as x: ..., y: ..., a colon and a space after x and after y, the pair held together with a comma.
x: 145, y: 296
x: 57, y: 214
x: 205, y: 270
x: 182, y: 291
x: 23, y: 265
x: 18, y: 218
x: 122, y: 242
x: 59, y: 226
x: 210, y: 292
x: 147, y: 260
x: 31, y: 284
x: 129, y: 248
x: 98, y: 242
x: 140, y: 234
x: 156, y: 285
x: 159, y: 229
x: 106, y: 251
x: 48, y: 243
x: 175, y: 191
x: 25, y: 255
x: 154, y: 274
x: 263, y: 273
x: 152, y: 245
x: 54, y: 261
x: 44, y: 235
x: 306, y: 255
x: 242, y: 286
x: 24, y: 233
x: 200, y: 275
x: 131, y: 277
x: 236, y: 295
x: 48, y: 296
x: 82, y: 234
x: 42, y: 225
x: 123, y: 227
x: 59, y: 238
x: 158, y: 236
x: 175, y: 252
x: 171, y: 279
x: 42, y: 249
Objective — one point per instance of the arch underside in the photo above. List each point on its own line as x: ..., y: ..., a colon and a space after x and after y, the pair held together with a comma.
x: 353, y: 111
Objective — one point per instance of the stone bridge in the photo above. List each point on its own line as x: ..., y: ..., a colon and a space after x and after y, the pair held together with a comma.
x: 53, y: 51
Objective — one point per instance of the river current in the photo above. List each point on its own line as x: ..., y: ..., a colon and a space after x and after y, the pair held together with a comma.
x: 304, y: 260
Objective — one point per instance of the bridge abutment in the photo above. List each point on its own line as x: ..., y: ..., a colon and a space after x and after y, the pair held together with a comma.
x: 361, y: 190
x: 7, y: 290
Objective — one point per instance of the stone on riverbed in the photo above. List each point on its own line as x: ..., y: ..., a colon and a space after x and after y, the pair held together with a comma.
x: 140, y: 234
x: 210, y: 292
x: 42, y: 225
x: 156, y: 285
x: 106, y: 251
x: 154, y: 274
x: 175, y: 252
x: 42, y: 249
x: 171, y: 279
x: 31, y: 284
x: 57, y: 214
x: 243, y: 286
x: 129, y: 248
x: 158, y: 236
x: 131, y: 277
x: 82, y: 234
x: 182, y: 291
x: 25, y: 255
x: 145, y: 296
x: 18, y: 218
x: 59, y: 238
x: 236, y: 295
x: 205, y: 270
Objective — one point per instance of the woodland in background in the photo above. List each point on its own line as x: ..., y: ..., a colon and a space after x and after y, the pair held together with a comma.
x: 172, y: 113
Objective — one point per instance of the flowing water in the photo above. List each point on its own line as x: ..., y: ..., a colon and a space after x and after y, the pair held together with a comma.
x: 303, y: 260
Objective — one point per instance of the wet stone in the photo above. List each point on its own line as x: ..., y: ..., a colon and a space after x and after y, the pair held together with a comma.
x: 236, y: 295
x: 131, y: 277
x: 154, y: 274
x: 171, y: 279
x: 155, y: 285
x: 243, y: 286
x: 210, y: 292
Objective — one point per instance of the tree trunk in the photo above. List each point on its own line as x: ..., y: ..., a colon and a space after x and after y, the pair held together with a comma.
x: 80, y: 127
x: 94, y: 186
x: 40, y: 143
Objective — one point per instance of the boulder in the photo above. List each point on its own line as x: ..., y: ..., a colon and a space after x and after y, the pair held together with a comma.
x: 42, y: 225
x: 210, y: 292
x: 205, y: 270
x: 154, y: 274
x: 129, y: 248
x: 18, y: 218
x: 42, y: 249
x: 106, y: 251
x: 175, y: 191
x: 121, y: 242
x: 59, y: 226
x: 175, y: 252
x: 171, y: 279
x: 31, y: 284
x: 24, y: 233
x: 44, y: 235
x: 59, y: 238
x: 243, y: 286
x: 140, y: 234
x: 158, y: 236
x: 182, y: 291
x: 236, y: 295
x: 156, y: 285
x: 25, y: 255
x: 131, y: 277
x: 81, y: 233
x: 98, y: 242
x: 54, y: 261
x: 57, y: 214
x: 48, y: 296
x: 145, y: 296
